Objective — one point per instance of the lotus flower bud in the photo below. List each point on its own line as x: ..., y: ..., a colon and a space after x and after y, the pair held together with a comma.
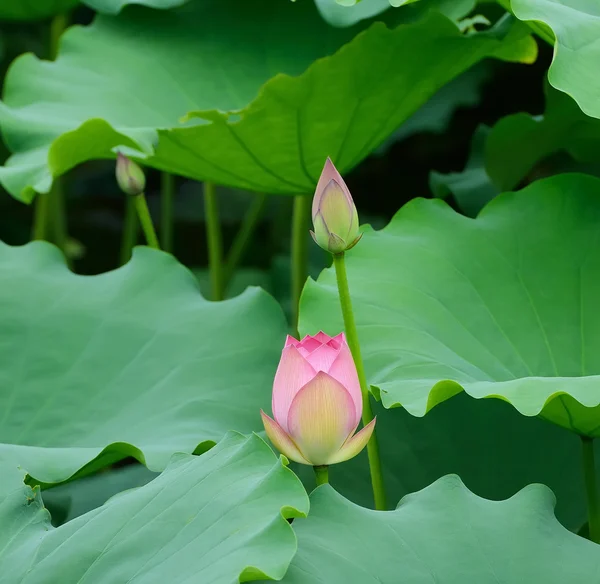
x: 130, y: 176
x: 334, y: 215
x: 317, y: 403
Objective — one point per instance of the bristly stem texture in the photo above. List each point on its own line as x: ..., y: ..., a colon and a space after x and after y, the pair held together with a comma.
x: 591, y: 488
x: 214, y: 241
x: 244, y: 236
x: 321, y: 474
x: 300, y: 225
x: 167, y: 194
x: 367, y: 414
x: 146, y: 220
x: 130, y: 230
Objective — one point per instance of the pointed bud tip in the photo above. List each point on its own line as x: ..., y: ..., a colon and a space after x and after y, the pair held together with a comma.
x: 130, y: 177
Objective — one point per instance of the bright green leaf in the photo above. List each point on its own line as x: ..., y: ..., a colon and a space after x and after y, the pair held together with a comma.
x: 501, y: 306
x: 201, y: 62
x: 575, y: 68
x: 129, y: 363
x: 217, y: 518
x: 34, y: 9
x: 443, y: 534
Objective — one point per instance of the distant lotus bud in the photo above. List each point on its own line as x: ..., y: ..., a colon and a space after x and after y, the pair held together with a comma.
x: 334, y: 215
x: 130, y: 176
x: 317, y: 403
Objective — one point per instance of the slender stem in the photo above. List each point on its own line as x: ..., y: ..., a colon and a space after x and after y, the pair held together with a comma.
x: 146, y: 220
x: 59, y: 223
x: 321, y: 474
x: 130, y: 230
x: 591, y: 489
x: 57, y: 26
x: 214, y: 240
x: 167, y: 192
x: 300, y: 225
x: 41, y: 217
x: 243, y: 237
x: 367, y: 413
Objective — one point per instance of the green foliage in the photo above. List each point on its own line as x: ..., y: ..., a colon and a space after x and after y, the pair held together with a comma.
x: 214, y: 518
x: 275, y: 143
x: 115, y: 6
x: 442, y: 534
x: 446, y: 304
x: 34, y: 9
x: 576, y: 25
x: 130, y: 363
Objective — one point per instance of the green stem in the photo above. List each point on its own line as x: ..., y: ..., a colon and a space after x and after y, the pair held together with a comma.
x: 167, y: 193
x: 41, y: 217
x: 367, y: 413
x: 57, y: 26
x: 130, y: 230
x: 300, y: 225
x: 214, y: 241
x: 146, y: 220
x: 59, y: 222
x: 591, y: 489
x: 243, y: 237
x: 321, y: 474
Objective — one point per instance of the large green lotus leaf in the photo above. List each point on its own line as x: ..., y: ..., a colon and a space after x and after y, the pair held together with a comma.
x: 133, y: 362
x: 110, y: 86
x: 217, y: 518
x: 461, y: 436
x: 517, y: 142
x: 499, y: 306
x: 575, y: 68
x: 34, y: 9
x: 443, y: 534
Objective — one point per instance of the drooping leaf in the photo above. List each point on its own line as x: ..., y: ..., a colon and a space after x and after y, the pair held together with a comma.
x: 210, y: 68
x: 472, y: 188
x: 34, y: 9
x: 518, y: 142
x: 501, y: 306
x: 129, y: 363
x: 575, y: 68
x: 215, y: 518
x: 443, y: 534
x: 494, y: 450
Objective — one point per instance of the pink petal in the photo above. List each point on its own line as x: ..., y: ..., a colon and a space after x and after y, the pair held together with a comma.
x: 293, y: 373
x: 322, y: 357
x: 289, y: 340
x: 328, y: 174
x: 322, y: 337
x: 355, y: 444
x: 321, y: 418
x: 343, y: 370
x: 309, y: 343
x: 281, y: 440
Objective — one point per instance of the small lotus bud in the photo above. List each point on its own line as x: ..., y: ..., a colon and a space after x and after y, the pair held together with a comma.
x: 334, y: 215
x: 130, y: 176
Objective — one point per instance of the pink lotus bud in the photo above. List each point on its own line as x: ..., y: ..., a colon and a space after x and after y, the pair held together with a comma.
x: 317, y: 402
x: 130, y: 176
x: 334, y: 215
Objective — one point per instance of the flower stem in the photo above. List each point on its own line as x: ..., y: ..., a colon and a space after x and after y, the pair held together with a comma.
x: 300, y: 225
x: 321, y: 474
x: 367, y: 413
x: 41, y: 217
x: 146, y: 220
x: 243, y: 237
x: 167, y: 192
x: 589, y: 475
x: 214, y: 241
x: 130, y: 230
x: 57, y: 26
x: 59, y: 219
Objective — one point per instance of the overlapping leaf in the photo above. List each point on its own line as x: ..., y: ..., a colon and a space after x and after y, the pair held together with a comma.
x: 129, y: 363
x: 443, y: 534
x: 462, y: 436
x: 115, y: 6
x: 217, y: 518
x: 129, y: 80
x: 34, y: 9
x: 576, y: 65
x: 500, y: 306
